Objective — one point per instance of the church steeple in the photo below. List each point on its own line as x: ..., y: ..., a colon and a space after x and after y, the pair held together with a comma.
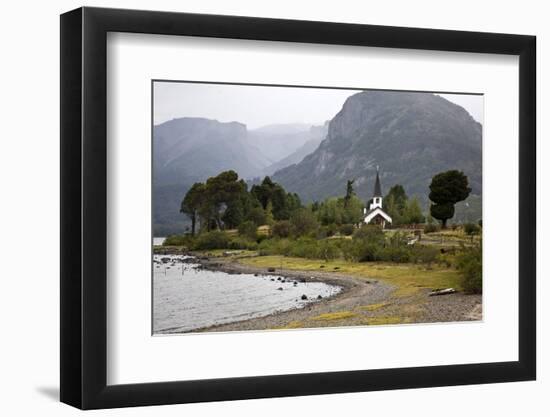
x: 375, y: 213
x: 377, y: 187
x: 376, y: 200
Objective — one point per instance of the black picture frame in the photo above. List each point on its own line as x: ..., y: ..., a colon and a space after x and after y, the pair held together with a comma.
x: 84, y: 207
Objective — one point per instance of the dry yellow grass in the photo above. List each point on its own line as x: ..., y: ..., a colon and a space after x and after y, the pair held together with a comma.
x: 379, y: 321
x: 408, y: 278
x: 264, y: 230
x: 292, y: 325
x: 373, y: 307
x: 337, y: 315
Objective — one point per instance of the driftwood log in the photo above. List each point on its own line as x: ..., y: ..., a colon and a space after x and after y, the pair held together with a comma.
x: 442, y: 292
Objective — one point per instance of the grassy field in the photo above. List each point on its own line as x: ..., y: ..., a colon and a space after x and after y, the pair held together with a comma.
x: 404, y: 306
x: 408, y: 278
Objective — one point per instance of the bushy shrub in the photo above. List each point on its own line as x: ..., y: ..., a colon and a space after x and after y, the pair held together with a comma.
x: 212, y: 240
x: 304, y: 248
x: 328, y: 250
x: 328, y: 230
x: 242, y: 243
x: 364, y: 251
x: 260, y: 238
x: 274, y: 247
x: 348, y: 249
x: 471, y: 229
x: 347, y: 229
x: 395, y: 254
x: 281, y: 229
x: 423, y: 254
x: 248, y: 229
x: 369, y: 233
x: 397, y: 239
x: 469, y: 263
x: 431, y: 228
x: 178, y: 240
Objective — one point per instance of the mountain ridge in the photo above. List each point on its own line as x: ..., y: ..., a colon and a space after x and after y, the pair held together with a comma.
x: 411, y: 136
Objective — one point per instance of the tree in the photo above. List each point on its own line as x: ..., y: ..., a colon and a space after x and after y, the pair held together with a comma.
x: 303, y: 222
x: 330, y: 212
x: 222, y: 201
x: 283, y: 203
x: 353, y: 211
x: 447, y: 189
x: 224, y: 193
x: 191, y: 204
x: 256, y: 215
x: 397, y: 193
x: 349, y: 192
x: 390, y: 207
x: 281, y: 229
x: 269, y: 214
x: 248, y: 229
x: 413, y: 212
x: 395, y: 203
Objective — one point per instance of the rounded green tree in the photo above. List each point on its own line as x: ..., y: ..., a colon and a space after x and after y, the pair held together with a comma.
x: 447, y: 189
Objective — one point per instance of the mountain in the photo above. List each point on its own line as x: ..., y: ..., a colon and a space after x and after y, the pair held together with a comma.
x: 411, y: 136
x: 278, y: 141
x: 195, y: 148
x: 314, y: 137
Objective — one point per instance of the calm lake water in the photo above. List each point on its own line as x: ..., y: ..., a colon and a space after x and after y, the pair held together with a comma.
x: 157, y: 241
x: 186, y: 297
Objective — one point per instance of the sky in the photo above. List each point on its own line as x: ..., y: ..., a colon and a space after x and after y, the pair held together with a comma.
x: 248, y: 104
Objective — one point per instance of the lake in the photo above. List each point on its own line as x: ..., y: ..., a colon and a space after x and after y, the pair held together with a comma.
x: 158, y: 241
x: 186, y: 297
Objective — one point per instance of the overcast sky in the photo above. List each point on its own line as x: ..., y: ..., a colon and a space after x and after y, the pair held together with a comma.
x: 258, y: 106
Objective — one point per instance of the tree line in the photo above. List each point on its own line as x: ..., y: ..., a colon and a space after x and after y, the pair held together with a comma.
x: 224, y: 202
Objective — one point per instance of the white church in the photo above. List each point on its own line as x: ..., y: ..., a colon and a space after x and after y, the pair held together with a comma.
x: 374, y: 213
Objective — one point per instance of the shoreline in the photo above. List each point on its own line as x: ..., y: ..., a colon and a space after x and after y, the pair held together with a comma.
x: 362, y: 301
x: 354, y: 291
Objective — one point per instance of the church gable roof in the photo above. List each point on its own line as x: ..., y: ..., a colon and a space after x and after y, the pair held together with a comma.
x: 371, y: 214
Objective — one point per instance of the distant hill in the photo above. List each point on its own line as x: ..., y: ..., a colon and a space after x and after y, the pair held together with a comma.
x: 314, y: 137
x: 411, y: 136
x: 195, y: 148
x: 278, y: 141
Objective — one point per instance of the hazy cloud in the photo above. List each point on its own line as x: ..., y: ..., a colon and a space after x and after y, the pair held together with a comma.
x: 258, y: 106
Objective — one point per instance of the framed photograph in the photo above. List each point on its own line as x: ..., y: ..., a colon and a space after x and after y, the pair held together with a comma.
x: 257, y: 208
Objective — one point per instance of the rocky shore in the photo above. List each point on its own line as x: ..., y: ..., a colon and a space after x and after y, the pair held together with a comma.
x: 361, y: 301
x: 355, y: 292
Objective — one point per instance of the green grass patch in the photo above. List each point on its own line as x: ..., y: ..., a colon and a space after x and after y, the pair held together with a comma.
x: 408, y: 278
